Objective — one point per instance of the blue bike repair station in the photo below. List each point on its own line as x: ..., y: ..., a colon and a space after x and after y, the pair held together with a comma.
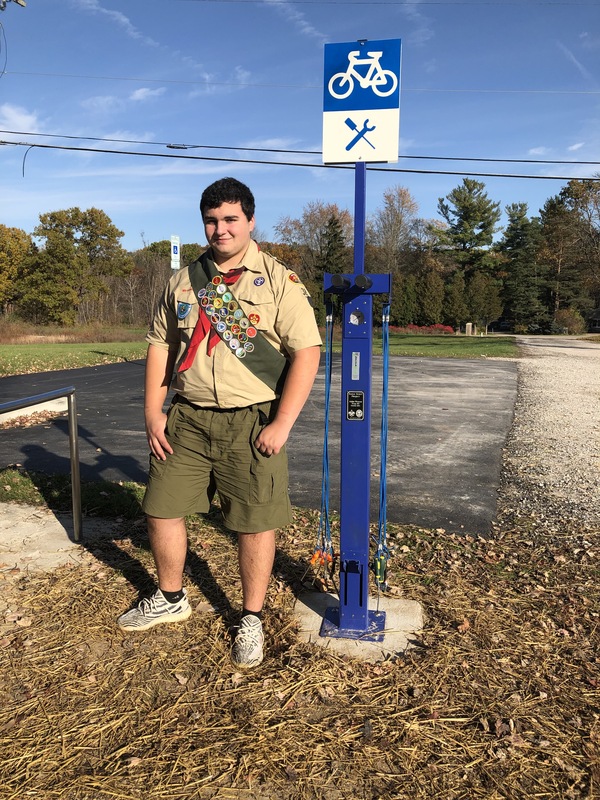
x: 361, y: 122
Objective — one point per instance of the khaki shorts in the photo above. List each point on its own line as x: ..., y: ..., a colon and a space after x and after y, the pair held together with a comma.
x: 214, y: 450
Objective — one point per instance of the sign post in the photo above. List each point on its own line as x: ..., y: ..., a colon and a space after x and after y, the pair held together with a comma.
x: 175, y: 253
x: 361, y: 120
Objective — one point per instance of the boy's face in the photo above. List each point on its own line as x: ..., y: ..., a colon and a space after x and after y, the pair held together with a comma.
x: 228, y: 232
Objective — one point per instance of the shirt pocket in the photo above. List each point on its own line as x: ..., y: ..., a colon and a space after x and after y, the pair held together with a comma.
x: 261, y: 314
x: 187, y: 317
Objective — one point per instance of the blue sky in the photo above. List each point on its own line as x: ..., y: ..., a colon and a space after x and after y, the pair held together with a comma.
x: 485, y: 80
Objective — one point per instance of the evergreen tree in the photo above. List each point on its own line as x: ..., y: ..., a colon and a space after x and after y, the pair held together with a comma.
x: 524, y: 284
x: 311, y: 235
x: 483, y: 299
x: 472, y: 219
x: 561, y: 255
x: 455, y: 307
x: 404, y: 307
x: 431, y: 298
x: 333, y: 255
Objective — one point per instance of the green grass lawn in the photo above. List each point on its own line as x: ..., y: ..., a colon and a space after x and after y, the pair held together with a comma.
x: 450, y: 346
x: 23, y: 359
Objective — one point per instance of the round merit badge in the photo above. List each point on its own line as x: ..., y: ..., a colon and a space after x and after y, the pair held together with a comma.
x: 217, y: 280
x: 240, y: 352
x: 259, y: 281
x: 251, y: 332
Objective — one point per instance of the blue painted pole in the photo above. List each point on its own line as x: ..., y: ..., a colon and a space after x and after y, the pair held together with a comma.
x: 353, y: 619
x: 355, y: 471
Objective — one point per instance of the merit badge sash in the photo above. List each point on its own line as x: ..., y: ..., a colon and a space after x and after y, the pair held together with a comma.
x: 222, y: 311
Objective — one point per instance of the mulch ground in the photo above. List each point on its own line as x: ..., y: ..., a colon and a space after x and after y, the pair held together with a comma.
x: 498, y: 699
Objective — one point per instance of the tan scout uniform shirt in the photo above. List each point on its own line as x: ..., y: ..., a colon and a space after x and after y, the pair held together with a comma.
x: 267, y: 288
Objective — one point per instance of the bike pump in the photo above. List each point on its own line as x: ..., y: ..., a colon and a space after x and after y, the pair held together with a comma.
x: 352, y: 619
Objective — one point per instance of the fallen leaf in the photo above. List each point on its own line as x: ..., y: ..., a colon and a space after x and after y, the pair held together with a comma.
x: 181, y: 678
x: 463, y: 626
x: 237, y: 678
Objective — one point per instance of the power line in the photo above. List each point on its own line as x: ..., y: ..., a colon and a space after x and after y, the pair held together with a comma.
x: 407, y: 2
x: 241, y: 85
x: 31, y: 145
x: 296, y: 152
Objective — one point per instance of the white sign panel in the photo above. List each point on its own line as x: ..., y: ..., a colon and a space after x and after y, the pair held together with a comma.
x: 361, y: 101
x: 175, y: 252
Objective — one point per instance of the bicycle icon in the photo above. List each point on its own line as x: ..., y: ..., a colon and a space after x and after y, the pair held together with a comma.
x: 382, y: 81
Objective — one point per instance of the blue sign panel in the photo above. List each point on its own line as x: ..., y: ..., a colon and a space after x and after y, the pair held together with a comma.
x: 362, y: 75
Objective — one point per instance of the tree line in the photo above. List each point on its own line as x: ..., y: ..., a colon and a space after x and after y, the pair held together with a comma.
x: 539, y: 274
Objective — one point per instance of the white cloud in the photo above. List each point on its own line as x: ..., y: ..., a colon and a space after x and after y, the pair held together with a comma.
x: 146, y: 94
x: 423, y: 31
x: 571, y: 57
x: 575, y: 147
x: 102, y: 104
x: 588, y: 41
x: 297, y: 18
x: 271, y: 143
x: 538, y: 151
x: 17, y: 118
x: 123, y: 22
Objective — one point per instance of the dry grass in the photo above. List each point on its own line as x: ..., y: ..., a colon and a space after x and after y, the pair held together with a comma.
x: 13, y: 331
x: 499, y: 700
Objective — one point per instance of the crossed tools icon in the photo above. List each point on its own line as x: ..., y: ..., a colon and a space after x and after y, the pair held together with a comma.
x: 360, y: 134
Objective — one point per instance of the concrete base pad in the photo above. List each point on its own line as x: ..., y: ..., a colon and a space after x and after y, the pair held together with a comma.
x: 403, y: 619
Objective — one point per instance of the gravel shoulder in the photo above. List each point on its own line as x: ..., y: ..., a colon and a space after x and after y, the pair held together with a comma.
x: 551, y: 461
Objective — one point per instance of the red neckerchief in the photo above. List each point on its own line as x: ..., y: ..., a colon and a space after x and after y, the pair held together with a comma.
x: 203, y: 326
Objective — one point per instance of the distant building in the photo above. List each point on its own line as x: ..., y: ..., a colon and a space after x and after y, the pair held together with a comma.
x: 594, y: 321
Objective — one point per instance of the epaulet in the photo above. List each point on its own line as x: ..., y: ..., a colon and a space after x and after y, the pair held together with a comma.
x: 278, y: 260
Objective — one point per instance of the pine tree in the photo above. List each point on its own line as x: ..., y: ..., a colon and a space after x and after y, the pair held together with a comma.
x: 525, y: 281
x: 472, y: 219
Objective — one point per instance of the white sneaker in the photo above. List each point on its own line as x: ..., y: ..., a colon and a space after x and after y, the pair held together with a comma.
x: 247, y: 650
x: 154, y: 610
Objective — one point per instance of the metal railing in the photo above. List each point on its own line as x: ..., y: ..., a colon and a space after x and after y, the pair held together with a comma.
x: 69, y: 393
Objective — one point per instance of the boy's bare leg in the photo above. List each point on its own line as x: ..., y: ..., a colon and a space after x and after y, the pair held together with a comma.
x: 168, y: 540
x: 256, y: 553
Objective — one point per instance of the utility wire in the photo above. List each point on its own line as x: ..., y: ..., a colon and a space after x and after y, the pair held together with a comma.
x: 407, y: 3
x: 242, y: 85
x: 297, y: 163
x: 173, y: 146
x: 3, y: 47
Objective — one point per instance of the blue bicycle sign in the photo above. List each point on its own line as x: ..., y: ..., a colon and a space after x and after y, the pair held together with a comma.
x: 382, y: 81
x: 361, y: 101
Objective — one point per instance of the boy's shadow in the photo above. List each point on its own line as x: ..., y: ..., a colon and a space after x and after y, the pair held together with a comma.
x: 110, y: 545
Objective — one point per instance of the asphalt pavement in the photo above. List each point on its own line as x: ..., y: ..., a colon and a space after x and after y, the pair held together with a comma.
x: 447, y: 424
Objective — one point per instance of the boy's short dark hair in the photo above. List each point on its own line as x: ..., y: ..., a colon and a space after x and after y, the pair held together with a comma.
x: 227, y: 190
